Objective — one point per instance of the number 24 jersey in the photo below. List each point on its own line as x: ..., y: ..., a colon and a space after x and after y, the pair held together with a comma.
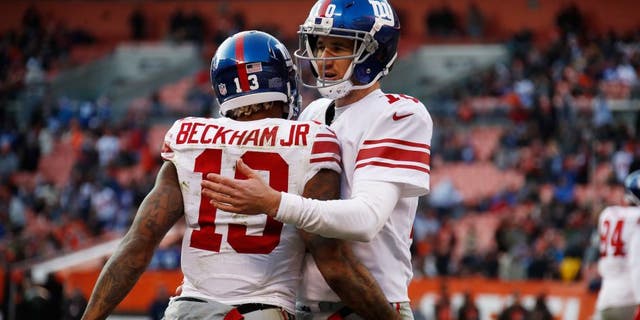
x: 619, y: 264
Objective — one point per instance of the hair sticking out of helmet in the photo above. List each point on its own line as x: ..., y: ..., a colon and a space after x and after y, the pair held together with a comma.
x: 632, y: 187
x: 372, y: 24
x: 253, y: 67
x: 249, y: 109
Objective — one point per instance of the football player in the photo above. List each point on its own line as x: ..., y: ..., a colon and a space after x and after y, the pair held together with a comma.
x: 619, y: 264
x: 238, y: 266
x: 348, y: 46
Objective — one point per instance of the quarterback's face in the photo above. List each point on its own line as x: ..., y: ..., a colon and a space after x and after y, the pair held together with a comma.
x: 333, y: 47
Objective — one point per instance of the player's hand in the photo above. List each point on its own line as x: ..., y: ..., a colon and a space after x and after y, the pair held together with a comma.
x: 250, y: 196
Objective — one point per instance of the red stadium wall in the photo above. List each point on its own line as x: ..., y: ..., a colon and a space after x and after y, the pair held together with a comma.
x: 491, y: 293
x: 108, y: 20
x: 571, y: 300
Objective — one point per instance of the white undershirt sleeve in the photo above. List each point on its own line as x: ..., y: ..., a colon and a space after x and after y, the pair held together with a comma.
x: 359, y: 218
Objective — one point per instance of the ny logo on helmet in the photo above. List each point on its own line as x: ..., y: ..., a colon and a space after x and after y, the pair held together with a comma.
x: 381, y: 9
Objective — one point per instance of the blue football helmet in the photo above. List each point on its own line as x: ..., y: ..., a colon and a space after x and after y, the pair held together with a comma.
x: 253, y: 67
x: 372, y: 24
x: 632, y: 187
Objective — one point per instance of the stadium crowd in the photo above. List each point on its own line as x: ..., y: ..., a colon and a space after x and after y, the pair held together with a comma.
x: 557, y: 129
x: 551, y: 104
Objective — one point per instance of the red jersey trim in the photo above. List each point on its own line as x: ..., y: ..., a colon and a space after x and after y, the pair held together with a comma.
x: 393, y: 153
x: 391, y: 165
x: 325, y: 159
x: 325, y: 147
x: 397, y: 141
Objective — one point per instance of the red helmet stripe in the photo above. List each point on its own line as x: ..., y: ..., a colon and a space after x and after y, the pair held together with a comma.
x: 240, y: 66
x: 323, y: 7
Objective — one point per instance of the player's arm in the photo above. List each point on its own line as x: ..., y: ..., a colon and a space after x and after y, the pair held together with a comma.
x: 349, y: 278
x: 359, y: 218
x: 159, y: 211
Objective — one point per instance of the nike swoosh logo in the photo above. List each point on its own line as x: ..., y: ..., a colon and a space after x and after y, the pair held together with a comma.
x: 397, y: 117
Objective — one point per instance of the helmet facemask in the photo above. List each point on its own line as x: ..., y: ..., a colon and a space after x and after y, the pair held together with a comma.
x: 307, y: 61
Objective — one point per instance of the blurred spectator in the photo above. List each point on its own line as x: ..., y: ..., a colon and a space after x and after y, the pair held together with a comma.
x: 159, y: 303
x: 602, y: 117
x: 201, y: 100
x: 570, y: 20
x: 187, y: 27
x: 445, y: 198
x: 56, y: 290
x: 442, y: 309
x: 468, y: 310
x: 470, y: 261
x: 540, y: 310
x: 445, y: 243
x: 29, y: 148
x: 490, y: 264
x: 157, y: 106
x: 138, y: 24
x: 166, y: 258
x: 442, y: 21
x: 515, y: 311
x: 541, y: 263
x: 74, y: 305
x: 108, y: 146
x: 426, y: 223
x: 475, y: 21
x: 34, y: 79
x: 177, y: 26
x: 195, y: 27
x: 31, y: 20
x: 35, y: 303
x: 17, y: 212
x: 9, y: 161
x: 104, y: 204
x: 511, y: 265
x: 228, y: 24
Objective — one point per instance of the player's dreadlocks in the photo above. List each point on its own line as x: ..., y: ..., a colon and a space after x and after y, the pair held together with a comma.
x: 249, y: 110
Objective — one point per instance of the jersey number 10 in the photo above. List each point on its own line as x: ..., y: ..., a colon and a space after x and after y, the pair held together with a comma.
x: 210, y: 161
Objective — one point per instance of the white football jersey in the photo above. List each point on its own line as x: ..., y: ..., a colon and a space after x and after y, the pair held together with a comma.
x: 619, y: 264
x: 234, y: 258
x: 384, y: 137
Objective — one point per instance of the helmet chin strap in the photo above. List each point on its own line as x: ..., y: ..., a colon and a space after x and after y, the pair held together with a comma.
x: 337, y: 90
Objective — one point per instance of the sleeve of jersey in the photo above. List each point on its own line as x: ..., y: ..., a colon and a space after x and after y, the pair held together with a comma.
x: 325, y: 152
x: 168, y: 143
x: 634, y: 259
x: 397, y: 148
x: 359, y: 218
